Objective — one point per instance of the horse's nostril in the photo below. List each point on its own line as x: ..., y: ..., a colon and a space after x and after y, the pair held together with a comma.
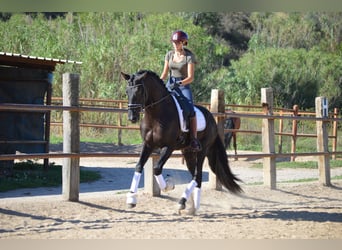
x: 133, y: 119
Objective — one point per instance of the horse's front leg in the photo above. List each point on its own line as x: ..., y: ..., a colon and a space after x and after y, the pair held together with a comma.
x: 132, y: 195
x: 164, y: 184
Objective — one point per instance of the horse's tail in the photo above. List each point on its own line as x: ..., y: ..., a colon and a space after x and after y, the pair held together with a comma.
x: 218, y: 162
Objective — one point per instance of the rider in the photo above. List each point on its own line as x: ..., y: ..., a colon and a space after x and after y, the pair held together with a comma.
x: 180, y: 63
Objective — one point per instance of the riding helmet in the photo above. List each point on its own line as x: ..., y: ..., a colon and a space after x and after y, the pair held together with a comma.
x: 179, y: 36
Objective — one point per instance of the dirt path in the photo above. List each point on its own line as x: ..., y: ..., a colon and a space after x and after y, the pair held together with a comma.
x: 292, y: 211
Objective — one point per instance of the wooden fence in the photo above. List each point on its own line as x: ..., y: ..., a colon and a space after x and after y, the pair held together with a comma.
x: 71, y: 134
x: 242, y: 111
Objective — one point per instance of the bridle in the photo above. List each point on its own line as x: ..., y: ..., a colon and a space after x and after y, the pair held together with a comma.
x: 132, y: 106
x: 142, y: 106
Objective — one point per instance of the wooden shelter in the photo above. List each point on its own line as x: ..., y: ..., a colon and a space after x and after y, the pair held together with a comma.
x: 25, y: 80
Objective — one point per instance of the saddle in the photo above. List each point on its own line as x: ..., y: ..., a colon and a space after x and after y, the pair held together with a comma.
x: 184, y: 112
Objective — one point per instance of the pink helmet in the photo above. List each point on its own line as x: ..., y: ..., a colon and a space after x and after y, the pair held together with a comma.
x: 179, y: 36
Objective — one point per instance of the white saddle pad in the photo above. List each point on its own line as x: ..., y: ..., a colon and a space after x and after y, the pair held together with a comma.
x: 201, y: 123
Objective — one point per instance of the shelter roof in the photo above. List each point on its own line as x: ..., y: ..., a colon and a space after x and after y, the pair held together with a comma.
x: 19, y: 60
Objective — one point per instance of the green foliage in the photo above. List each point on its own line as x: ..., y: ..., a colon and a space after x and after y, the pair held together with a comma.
x: 107, y: 43
x: 284, y: 30
x: 297, y: 76
x: 297, y: 54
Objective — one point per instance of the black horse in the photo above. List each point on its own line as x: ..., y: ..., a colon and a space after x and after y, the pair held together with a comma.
x: 160, y: 130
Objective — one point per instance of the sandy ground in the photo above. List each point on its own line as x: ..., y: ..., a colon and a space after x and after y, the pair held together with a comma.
x: 292, y: 211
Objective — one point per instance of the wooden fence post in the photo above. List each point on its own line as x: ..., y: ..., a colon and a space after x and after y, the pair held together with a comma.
x: 268, y: 138
x: 217, y: 106
x: 322, y: 141
x: 281, y: 128
x: 120, y: 124
x: 334, y: 143
x: 71, y: 138
x: 294, y: 132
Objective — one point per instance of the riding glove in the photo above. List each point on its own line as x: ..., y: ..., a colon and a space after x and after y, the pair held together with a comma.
x: 175, y: 85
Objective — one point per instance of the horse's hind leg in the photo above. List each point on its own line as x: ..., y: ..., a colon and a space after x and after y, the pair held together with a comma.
x: 193, y: 189
x: 194, y: 200
x: 186, y: 194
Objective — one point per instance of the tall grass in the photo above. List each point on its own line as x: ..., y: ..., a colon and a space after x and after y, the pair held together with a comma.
x: 128, y: 137
x: 253, y: 142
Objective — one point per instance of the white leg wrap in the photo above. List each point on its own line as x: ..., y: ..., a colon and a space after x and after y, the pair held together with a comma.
x: 135, y: 182
x: 189, y: 189
x: 131, y: 198
x: 170, y: 185
x: 197, y: 198
x: 161, y: 182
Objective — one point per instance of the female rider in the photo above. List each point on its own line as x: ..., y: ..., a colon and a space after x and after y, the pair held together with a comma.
x: 180, y: 64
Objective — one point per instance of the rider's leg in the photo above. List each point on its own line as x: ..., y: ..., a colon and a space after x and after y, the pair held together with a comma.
x: 194, y: 142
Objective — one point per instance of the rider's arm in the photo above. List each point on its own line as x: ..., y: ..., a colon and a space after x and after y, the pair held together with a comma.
x: 165, y: 72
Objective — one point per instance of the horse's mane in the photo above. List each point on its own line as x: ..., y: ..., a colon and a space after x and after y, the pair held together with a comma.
x: 152, y: 74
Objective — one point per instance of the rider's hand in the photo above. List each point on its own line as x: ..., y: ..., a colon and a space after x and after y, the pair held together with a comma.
x: 175, y: 85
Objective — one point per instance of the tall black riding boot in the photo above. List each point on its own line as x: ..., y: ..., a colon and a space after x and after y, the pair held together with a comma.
x: 194, y: 142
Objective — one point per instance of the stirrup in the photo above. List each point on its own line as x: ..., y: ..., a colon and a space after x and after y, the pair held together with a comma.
x: 195, y: 145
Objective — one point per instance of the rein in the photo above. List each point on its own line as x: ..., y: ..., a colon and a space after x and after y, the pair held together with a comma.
x: 159, y: 101
x: 135, y: 105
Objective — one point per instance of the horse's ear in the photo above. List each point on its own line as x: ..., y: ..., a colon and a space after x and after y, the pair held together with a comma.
x: 142, y: 76
x: 125, y: 76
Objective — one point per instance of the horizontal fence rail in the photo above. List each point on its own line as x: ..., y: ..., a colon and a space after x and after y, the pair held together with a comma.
x: 22, y: 156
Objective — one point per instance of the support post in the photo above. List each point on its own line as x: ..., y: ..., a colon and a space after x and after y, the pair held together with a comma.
x: 71, y: 138
x: 294, y: 132
x: 334, y: 142
x: 268, y: 138
x: 281, y: 128
x: 322, y: 141
x: 150, y: 184
x: 120, y: 124
x: 217, y: 106
x: 48, y: 119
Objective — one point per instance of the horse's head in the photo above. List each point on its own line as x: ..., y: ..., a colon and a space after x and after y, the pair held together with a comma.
x: 136, y: 95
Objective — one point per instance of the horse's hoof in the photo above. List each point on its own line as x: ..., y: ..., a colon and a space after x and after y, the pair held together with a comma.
x: 131, y: 200
x: 181, y: 204
x: 131, y: 205
x: 169, y: 184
